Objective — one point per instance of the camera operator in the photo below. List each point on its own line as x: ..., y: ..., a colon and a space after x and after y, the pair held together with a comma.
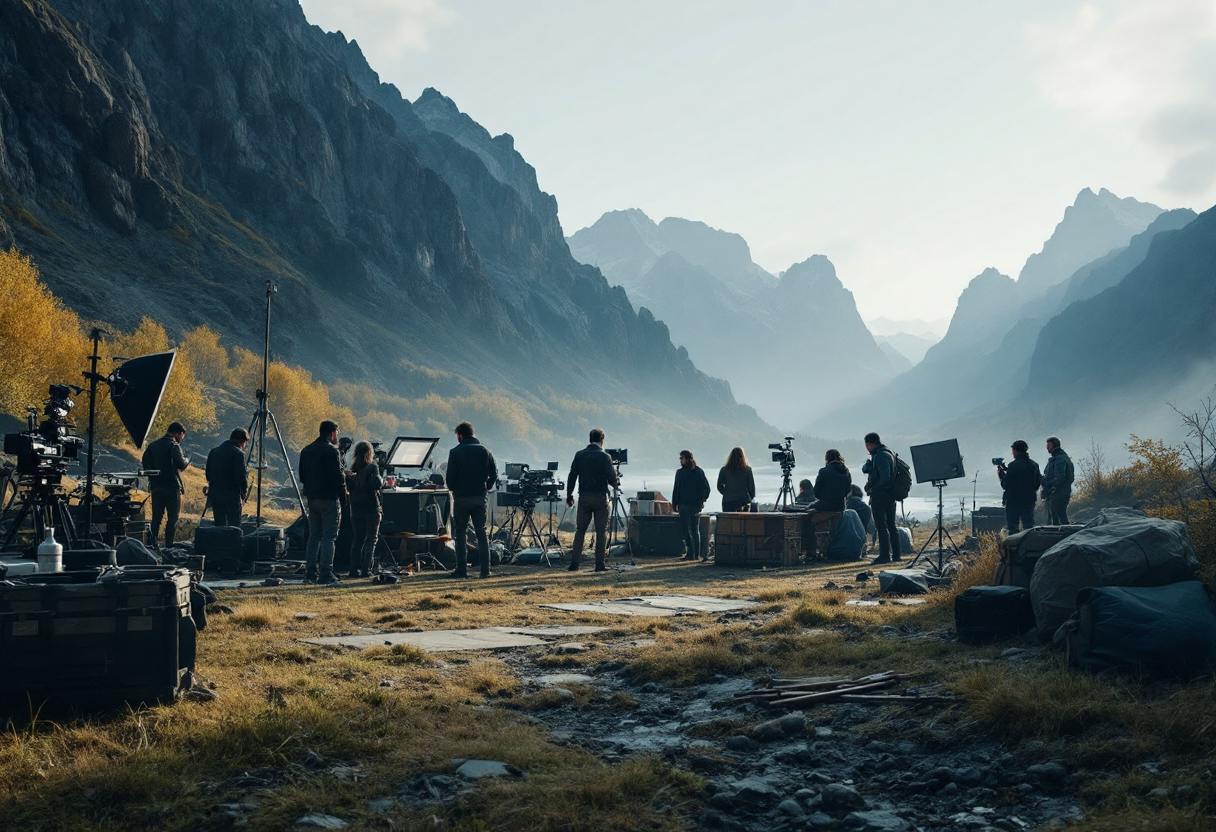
x: 166, y: 457
x: 593, y: 471
x: 228, y: 478
x: 688, y: 496
x: 880, y: 485
x: 471, y: 472
x: 1020, y: 481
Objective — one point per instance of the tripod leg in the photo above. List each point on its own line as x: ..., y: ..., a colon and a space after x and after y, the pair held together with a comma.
x: 287, y: 461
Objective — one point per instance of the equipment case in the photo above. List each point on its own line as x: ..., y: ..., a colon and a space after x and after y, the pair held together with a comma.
x: 988, y: 613
x: 755, y: 540
x: 125, y: 638
x: 221, y: 547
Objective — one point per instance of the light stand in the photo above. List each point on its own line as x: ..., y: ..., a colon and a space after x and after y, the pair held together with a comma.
x: 941, y: 534
x: 257, y: 427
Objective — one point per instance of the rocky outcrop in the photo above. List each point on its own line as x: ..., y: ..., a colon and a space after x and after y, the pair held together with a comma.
x: 166, y: 158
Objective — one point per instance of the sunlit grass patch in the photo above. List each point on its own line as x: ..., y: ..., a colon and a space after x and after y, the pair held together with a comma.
x: 693, y: 658
x: 431, y: 602
x: 257, y: 614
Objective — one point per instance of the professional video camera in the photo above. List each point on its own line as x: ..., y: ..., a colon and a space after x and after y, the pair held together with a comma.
x: 998, y: 461
x: 783, y: 453
x: 46, y: 448
x: 525, y: 486
x: 619, y: 456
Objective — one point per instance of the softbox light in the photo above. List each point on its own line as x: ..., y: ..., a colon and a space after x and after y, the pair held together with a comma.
x: 136, y: 389
x: 937, y: 461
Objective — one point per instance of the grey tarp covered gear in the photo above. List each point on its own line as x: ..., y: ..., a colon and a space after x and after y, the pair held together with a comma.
x: 1119, y: 547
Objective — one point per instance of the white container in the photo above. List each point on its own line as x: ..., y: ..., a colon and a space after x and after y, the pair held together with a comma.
x: 50, y: 554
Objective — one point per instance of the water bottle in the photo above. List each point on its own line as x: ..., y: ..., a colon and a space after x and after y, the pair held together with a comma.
x: 50, y: 554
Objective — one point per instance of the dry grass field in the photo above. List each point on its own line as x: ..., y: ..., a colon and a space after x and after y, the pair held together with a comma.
x: 297, y: 728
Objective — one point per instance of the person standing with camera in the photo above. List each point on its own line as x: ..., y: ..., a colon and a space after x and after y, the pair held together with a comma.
x: 166, y: 458
x: 228, y: 478
x: 471, y: 473
x: 736, y: 483
x: 592, y: 469
x: 1057, y: 482
x: 880, y: 485
x: 1020, y: 480
x: 688, y: 496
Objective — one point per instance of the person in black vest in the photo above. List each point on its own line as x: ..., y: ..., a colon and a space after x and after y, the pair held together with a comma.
x: 228, y: 478
x: 593, y: 471
x: 471, y: 472
x: 166, y: 458
x: 688, y: 496
x: 880, y: 485
x: 365, y: 511
x: 1020, y: 480
x: 324, y: 485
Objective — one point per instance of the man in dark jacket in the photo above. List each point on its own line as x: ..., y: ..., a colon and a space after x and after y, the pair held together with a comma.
x: 1020, y: 480
x: 688, y: 496
x: 228, y: 478
x: 324, y: 485
x: 592, y: 469
x: 166, y: 458
x: 1057, y: 482
x: 833, y: 483
x: 471, y: 473
x: 880, y: 485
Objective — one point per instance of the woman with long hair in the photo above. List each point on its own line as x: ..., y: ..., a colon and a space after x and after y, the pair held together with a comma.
x: 736, y: 483
x: 833, y: 484
x: 365, y: 510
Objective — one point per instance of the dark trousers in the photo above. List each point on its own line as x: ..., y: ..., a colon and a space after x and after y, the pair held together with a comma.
x: 324, y: 516
x: 1058, y: 506
x: 465, y: 509
x: 365, y: 530
x: 165, y: 501
x: 735, y: 505
x: 690, y: 522
x: 1023, y: 514
x: 591, y: 506
x: 883, y: 508
x: 225, y: 507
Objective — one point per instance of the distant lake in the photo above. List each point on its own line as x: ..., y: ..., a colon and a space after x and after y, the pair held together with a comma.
x: 921, y: 503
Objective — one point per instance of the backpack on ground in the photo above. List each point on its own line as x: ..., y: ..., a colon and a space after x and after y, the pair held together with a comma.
x: 901, y: 479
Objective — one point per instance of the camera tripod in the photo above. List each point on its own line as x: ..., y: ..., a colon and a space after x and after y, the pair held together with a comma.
x: 785, y: 497
x: 941, y: 534
x: 526, y: 524
x: 46, y: 507
x: 618, y: 514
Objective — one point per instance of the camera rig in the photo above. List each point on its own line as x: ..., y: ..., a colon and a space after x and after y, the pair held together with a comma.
x: 783, y: 454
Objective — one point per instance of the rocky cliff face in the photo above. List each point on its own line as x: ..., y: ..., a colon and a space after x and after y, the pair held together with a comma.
x: 769, y: 338
x: 166, y: 158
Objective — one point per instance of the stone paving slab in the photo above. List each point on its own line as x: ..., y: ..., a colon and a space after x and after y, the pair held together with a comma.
x: 442, y: 641
x: 660, y: 605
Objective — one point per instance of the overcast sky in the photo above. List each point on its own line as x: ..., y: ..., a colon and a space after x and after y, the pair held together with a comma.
x: 913, y: 144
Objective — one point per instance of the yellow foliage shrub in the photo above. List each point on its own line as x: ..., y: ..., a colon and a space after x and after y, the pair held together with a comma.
x: 207, y: 356
x: 40, y: 339
x: 299, y: 402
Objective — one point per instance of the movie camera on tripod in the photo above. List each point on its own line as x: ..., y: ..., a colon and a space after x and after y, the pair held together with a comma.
x: 45, y: 449
x: 526, y: 486
x: 783, y: 454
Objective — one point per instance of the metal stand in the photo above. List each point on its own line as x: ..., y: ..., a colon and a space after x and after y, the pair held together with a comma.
x: 785, y: 497
x: 941, y: 534
x: 45, y: 507
x: 618, y: 513
x: 257, y: 427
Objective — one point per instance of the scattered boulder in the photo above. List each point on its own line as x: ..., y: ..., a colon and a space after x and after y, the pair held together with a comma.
x: 320, y: 821
x: 877, y: 820
x: 477, y: 769
x: 840, y: 797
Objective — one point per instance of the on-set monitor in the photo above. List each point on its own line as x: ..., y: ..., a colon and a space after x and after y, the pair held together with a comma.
x: 411, y: 451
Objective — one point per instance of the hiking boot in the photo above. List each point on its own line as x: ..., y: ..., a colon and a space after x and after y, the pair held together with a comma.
x: 485, y: 573
x: 599, y: 567
x: 460, y: 573
x: 329, y: 580
x: 880, y: 560
x: 573, y: 567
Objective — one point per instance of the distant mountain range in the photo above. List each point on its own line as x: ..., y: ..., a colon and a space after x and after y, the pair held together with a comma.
x: 1106, y: 323
x: 166, y: 158
x: 789, y: 346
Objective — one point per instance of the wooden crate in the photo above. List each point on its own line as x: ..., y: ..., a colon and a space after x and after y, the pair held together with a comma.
x: 754, y: 540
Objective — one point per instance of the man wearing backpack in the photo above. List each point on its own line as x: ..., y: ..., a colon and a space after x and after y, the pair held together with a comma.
x: 880, y: 485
